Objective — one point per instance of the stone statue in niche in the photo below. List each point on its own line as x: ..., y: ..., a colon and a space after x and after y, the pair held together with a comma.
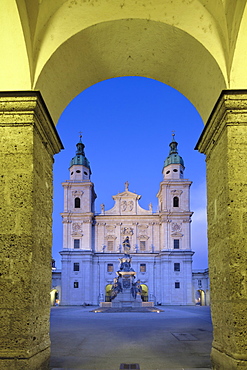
x: 126, y: 245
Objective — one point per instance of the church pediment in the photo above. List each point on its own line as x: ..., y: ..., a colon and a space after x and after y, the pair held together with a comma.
x: 126, y: 203
x: 128, y: 195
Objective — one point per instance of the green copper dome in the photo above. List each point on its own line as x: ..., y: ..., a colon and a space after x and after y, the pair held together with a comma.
x: 80, y: 158
x: 173, y: 157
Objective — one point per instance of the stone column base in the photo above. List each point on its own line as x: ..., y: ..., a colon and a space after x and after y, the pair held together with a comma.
x: 33, y: 362
x: 125, y: 299
x: 223, y: 361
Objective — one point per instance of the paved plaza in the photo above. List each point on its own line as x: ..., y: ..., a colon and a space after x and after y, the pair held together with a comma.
x: 179, y: 337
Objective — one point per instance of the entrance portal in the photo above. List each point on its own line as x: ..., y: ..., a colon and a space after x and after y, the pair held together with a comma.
x: 144, y: 294
x: 108, y: 289
x: 200, y: 298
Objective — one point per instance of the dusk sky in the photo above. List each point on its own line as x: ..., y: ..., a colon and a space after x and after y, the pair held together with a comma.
x: 126, y: 126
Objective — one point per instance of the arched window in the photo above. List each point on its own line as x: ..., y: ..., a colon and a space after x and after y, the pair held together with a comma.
x: 175, y: 202
x: 77, y: 203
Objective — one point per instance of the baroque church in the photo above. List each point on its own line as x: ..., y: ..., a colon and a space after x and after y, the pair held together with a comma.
x: 160, y: 241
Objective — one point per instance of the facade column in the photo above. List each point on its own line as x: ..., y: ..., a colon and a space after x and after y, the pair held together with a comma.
x: 224, y: 141
x: 28, y: 141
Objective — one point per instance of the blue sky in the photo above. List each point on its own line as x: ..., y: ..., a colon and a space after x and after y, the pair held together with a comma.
x: 127, y: 125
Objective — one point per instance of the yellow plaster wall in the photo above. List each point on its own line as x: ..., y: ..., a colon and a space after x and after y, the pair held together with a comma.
x: 74, y: 16
x: 131, y: 48
x: 238, y: 77
x: 118, y: 30
x: 195, y: 38
x: 14, y: 63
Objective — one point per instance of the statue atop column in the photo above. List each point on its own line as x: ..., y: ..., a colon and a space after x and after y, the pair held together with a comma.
x: 124, y: 286
x: 126, y: 245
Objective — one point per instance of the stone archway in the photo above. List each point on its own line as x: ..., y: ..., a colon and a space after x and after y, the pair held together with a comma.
x: 144, y: 294
x: 55, y: 297
x: 200, y: 297
x: 197, y: 47
x: 108, y: 288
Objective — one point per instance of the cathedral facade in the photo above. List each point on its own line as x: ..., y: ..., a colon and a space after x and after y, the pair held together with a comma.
x: 160, y: 241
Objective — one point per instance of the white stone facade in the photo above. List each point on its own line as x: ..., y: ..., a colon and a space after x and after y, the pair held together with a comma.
x: 160, y: 241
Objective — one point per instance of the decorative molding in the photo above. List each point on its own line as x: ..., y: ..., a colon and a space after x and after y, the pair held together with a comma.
x: 177, y: 234
x: 77, y: 193
x: 127, y: 205
x: 110, y: 237
x: 176, y: 192
x: 143, y: 237
x: 76, y: 227
x: 142, y: 227
x: 88, y: 221
x: 110, y: 228
x: 127, y: 231
x: 176, y: 227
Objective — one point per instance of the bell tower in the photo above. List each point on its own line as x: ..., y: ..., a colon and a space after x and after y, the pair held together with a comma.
x: 79, y: 198
x: 175, y: 220
x: 174, y: 165
x: 174, y: 193
x: 78, y: 221
x: 79, y: 165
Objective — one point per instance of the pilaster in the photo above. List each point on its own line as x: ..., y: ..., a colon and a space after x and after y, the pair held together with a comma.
x: 28, y: 141
x: 224, y: 141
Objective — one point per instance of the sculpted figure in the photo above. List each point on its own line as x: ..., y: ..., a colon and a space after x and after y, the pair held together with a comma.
x: 126, y: 245
x: 136, y: 288
x: 116, y: 288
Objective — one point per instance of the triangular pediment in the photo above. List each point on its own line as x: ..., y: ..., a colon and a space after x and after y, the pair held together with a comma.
x: 126, y: 194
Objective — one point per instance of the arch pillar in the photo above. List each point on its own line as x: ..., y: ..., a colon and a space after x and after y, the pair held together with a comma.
x: 28, y: 141
x: 224, y: 141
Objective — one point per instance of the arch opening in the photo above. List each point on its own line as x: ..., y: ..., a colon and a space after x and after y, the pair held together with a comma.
x: 200, y: 297
x: 144, y: 294
x: 130, y: 117
x: 130, y: 47
x: 108, y: 288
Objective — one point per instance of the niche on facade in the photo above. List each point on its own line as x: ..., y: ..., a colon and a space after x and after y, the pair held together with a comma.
x: 175, y: 197
x: 77, y: 195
